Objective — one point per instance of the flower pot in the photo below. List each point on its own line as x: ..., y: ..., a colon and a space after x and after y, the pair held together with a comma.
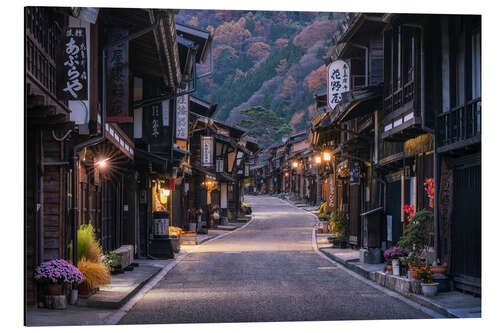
x: 55, y: 289
x: 412, y: 274
x: 438, y: 269
x: 84, y: 289
x: 395, y: 266
x: 73, y: 297
x: 429, y: 289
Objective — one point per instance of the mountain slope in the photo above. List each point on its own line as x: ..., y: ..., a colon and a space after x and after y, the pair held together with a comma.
x: 270, y: 59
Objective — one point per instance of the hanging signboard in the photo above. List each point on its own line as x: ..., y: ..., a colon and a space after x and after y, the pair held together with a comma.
x: 117, y: 79
x: 181, y: 117
x: 338, y: 82
x: 207, y: 144
x: 152, y: 123
x: 247, y: 170
x: 165, y: 108
x: 354, y: 173
x: 72, y: 76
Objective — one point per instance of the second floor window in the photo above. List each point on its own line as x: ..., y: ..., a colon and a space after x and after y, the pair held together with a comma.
x: 401, y: 56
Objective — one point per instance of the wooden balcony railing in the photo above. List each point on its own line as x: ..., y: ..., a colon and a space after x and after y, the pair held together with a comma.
x: 400, y: 97
x: 460, y: 123
x: 388, y: 149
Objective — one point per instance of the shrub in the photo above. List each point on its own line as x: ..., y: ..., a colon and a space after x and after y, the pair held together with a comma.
x: 94, y: 274
x: 338, y: 222
x: 418, y: 231
x: 88, y: 246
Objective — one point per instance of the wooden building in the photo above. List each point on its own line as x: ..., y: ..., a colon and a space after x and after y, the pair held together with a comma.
x: 458, y: 148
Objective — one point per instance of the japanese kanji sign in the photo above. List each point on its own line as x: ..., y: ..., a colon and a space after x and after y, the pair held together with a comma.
x: 153, y: 123
x: 338, y: 82
x: 72, y: 73
x: 207, y: 146
x: 117, y: 78
x: 181, y: 117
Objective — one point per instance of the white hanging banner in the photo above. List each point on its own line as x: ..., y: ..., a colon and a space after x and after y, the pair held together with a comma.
x: 338, y: 82
x: 207, y: 144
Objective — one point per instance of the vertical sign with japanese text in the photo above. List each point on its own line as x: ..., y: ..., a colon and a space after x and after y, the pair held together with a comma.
x: 338, y: 82
x: 152, y: 123
x: 207, y: 144
x: 117, y: 73
x: 72, y: 74
x: 182, y: 117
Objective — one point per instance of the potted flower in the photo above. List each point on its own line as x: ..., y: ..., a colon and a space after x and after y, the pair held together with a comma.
x: 393, y: 254
x: 413, y: 263
x: 429, y: 288
x: 57, y: 273
x: 113, y: 261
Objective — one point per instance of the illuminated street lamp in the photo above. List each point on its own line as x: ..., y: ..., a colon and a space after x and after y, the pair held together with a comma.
x: 295, y: 164
x: 327, y: 156
x: 317, y: 159
x: 102, y: 163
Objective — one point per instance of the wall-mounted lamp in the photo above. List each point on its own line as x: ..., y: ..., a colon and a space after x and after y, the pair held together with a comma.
x: 327, y: 156
x: 317, y: 159
x: 295, y: 164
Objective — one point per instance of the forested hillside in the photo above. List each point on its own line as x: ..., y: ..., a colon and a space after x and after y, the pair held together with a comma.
x: 268, y: 62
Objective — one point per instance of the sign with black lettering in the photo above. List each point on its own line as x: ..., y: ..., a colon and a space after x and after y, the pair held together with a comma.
x: 207, y: 146
x: 117, y: 73
x: 338, y: 82
x: 182, y: 117
x: 72, y: 75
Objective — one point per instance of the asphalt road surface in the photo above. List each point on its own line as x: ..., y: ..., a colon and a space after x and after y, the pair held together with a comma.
x: 267, y: 271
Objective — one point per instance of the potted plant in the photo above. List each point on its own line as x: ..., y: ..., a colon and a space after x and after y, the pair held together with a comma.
x: 57, y: 273
x: 338, y: 226
x: 413, y: 263
x: 90, y: 261
x: 429, y: 288
x: 113, y: 261
x: 388, y: 267
x: 393, y: 254
x: 94, y: 275
x: 417, y: 233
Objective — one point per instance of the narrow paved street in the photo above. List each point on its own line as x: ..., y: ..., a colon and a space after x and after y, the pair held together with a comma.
x: 267, y: 271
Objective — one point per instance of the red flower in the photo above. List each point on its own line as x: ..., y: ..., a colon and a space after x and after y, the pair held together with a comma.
x: 410, y: 211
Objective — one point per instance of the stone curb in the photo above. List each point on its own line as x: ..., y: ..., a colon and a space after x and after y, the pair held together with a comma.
x: 431, y: 309
x: 102, y: 304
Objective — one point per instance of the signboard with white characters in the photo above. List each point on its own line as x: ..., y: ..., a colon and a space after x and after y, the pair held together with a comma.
x: 181, y: 118
x: 338, y: 82
x: 72, y: 75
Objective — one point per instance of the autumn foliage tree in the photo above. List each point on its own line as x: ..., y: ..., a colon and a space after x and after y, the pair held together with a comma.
x: 317, y: 79
x: 258, y: 50
x: 232, y: 33
x: 281, y: 42
x: 318, y: 31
